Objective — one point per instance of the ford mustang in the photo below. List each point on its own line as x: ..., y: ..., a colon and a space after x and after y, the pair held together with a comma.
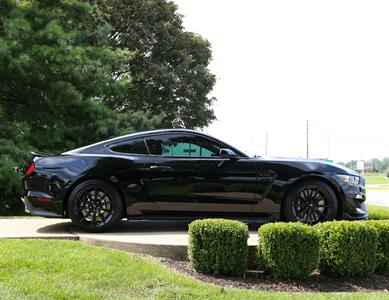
x: 184, y: 174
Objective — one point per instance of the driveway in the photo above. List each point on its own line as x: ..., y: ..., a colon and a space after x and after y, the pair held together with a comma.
x: 156, y: 238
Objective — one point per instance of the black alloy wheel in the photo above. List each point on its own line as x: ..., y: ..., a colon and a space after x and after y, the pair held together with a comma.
x: 95, y: 206
x: 311, y: 202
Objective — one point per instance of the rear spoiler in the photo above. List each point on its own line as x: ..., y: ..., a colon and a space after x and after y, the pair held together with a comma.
x: 35, y: 157
x: 39, y: 154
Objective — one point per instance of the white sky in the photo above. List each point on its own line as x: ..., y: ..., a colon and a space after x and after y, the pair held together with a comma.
x: 279, y: 63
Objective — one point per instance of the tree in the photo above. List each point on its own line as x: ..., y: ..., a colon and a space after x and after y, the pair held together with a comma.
x: 74, y: 72
x: 12, y: 153
x: 385, y: 163
x: 377, y: 165
x: 169, y: 65
x: 352, y: 164
x: 380, y: 166
x: 56, y: 65
x: 55, y: 61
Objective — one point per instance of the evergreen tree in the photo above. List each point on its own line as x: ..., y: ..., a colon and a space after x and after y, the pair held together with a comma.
x: 56, y: 65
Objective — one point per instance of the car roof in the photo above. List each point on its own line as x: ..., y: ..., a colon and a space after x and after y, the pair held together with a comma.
x: 97, y: 145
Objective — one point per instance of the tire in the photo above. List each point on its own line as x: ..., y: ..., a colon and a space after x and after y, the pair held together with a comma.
x: 311, y: 202
x: 95, y: 206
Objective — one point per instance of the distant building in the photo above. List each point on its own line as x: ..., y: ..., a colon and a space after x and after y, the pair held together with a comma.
x: 364, y: 166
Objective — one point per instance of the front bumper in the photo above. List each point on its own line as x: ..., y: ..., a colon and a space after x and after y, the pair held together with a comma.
x: 354, y: 206
x: 360, y: 213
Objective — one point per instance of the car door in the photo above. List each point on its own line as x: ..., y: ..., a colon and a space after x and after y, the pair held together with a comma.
x: 127, y: 163
x: 187, y: 175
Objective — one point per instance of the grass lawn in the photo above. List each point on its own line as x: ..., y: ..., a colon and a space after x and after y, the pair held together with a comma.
x: 47, y: 269
x: 376, y: 178
x: 378, y: 212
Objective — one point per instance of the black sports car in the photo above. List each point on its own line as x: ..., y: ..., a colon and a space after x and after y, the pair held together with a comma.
x: 185, y: 174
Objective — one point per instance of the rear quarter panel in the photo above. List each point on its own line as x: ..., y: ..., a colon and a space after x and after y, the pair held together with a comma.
x: 58, y: 175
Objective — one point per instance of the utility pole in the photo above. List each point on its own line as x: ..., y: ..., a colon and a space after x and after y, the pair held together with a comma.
x: 328, y: 143
x: 307, y: 139
x: 266, y: 143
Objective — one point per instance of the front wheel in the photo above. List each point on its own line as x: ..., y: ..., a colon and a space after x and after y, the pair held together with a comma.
x: 311, y: 202
x: 95, y: 206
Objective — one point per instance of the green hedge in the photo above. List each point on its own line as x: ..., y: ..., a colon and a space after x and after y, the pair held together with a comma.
x: 383, y: 245
x: 348, y: 248
x: 288, y: 250
x: 218, y: 246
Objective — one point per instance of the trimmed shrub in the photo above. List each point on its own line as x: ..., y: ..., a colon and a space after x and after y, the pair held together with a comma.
x: 383, y: 245
x: 348, y: 248
x: 288, y: 250
x: 218, y: 246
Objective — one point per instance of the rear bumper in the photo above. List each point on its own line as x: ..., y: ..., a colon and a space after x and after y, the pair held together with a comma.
x: 42, y: 194
x: 37, y: 211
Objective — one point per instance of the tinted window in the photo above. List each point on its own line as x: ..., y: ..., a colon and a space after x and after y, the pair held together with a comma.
x: 182, y: 145
x: 135, y: 146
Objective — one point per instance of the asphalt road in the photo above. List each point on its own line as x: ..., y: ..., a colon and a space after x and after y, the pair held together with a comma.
x: 377, y: 197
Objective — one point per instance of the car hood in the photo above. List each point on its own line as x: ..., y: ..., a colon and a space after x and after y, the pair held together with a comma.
x: 313, y: 165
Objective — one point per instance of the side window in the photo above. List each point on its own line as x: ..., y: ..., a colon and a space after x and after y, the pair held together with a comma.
x: 134, y: 146
x: 182, y: 145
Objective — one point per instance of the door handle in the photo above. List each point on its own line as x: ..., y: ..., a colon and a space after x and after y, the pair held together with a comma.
x: 164, y: 168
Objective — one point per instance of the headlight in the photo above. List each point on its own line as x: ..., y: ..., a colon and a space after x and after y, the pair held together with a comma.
x: 349, y: 179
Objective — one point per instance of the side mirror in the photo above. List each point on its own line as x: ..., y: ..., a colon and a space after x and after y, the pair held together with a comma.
x: 227, y: 153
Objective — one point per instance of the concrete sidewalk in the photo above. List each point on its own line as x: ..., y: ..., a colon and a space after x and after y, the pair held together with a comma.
x: 35, y: 228
x: 145, y: 232
x: 156, y: 238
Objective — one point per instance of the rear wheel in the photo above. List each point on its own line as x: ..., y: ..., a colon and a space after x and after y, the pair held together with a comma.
x: 311, y: 202
x: 95, y: 206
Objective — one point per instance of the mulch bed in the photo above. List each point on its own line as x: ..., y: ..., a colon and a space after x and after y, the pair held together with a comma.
x: 259, y: 281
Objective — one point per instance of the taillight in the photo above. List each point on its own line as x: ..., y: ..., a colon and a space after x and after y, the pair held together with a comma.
x: 30, y: 169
